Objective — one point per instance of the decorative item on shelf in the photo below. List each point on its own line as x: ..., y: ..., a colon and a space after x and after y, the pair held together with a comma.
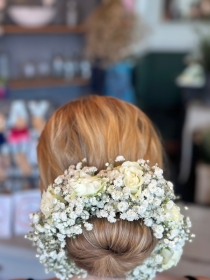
x: 192, y: 77
x: 69, y: 69
x: 72, y: 16
x: 4, y: 66
x: 76, y: 61
x: 2, y: 10
x: 29, y: 70
x: 43, y: 69
x: 19, y: 136
x: 188, y: 9
x: 48, y: 2
x: 85, y: 69
x: 4, y: 73
x: 58, y: 66
x: 31, y: 15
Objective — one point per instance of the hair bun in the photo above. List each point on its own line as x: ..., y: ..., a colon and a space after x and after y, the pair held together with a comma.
x: 111, y: 249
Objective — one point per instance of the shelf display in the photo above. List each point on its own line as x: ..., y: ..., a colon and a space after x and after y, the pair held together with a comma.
x: 188, y: 9
x: 21, y: 123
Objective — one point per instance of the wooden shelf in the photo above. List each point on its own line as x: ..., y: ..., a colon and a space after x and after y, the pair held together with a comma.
x: 18, y: 84
x: 50, y: 29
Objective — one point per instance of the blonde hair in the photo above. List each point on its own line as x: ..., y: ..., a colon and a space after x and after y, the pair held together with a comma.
x: 101, y: 128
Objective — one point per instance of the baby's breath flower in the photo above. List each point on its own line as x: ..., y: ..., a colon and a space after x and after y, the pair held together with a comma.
x: 132, y: 191
x: 122, y: 206
x: 119, y: 158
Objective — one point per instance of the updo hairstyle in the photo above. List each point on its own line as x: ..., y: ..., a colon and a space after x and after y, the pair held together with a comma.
x: 101, y: 128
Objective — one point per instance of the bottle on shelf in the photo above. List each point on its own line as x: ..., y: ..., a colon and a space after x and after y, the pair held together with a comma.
x: 69, y: 69
x: 4, y: 66
x: 58, y: 66
x: 72, y: 13
x: 85, y: 69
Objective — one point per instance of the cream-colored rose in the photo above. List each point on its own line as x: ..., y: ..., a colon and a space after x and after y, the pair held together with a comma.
x: 87, y: 185
x: 170, y: 258
x: 46, y: 205
x: 133, y: 177
x: 175, y: 214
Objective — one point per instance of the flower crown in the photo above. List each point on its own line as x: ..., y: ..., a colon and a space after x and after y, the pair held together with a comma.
x: 131, y: 191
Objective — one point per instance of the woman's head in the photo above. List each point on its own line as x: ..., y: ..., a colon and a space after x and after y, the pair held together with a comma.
x: 96, y: 128
x: 99, y: 129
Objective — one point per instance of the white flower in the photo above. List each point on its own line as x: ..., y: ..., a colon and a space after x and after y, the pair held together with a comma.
x: 170, y: 185
x: 173, y: 233
x: 188, y: 222
x: 79, y: 166
x: 123, y: 216
x: 170, y: 258
x: 47, y: 204
x: 122, y: 206
x: 85, y: 215
x: 158, y: 235
x: 63, y: 216
x: 116, y: 195
x: 119, y: 158
x: 152, y: 186
x: 157, y: 202
x: 148, y: 222
x: 39, y: 228
x: 118, y: 182
x: 141, y: 210
x: 146, y: 193
x: 104, y: 213
x: 158, y: 172
x: 175, y: 214
x: 90, y: 170
x: 111, y: 219
x: 57, y: 190
x: 141, y: 161
x: 88, y: 226
x: 159, y: 191
x: 93, y: 201
x: 158, y: 228
x: 73, y: 215
x: 131, y: 215
x: 35, y: 218
x: 169, y: 204
x: 133, y: 177
x: 88, y: 185
x: 158, y: 259
x: 58, y: 180
x: 100, y: 204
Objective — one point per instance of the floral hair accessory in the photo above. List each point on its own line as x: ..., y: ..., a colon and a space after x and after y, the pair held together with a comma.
x: 131, y: 191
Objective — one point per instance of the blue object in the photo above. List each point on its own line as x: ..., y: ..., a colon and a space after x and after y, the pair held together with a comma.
x: 118, y: 82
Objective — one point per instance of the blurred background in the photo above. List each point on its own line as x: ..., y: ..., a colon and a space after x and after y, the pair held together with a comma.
x: 154, y: 54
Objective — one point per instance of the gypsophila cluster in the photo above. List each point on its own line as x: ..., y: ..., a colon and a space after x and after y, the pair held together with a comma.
x: 131, y: 191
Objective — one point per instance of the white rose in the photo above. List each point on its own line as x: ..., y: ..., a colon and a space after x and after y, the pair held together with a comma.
x: 133, y: 177
x: 175, y: 214
x: 88, y: 185
x: 170, y: 258
x: 47, y: 203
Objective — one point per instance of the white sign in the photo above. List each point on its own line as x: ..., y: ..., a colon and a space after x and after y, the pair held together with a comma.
x: 5, y: 216
x: 25, y: 202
